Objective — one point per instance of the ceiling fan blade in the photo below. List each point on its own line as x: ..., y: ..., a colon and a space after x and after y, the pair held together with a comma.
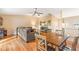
x: 34, y: 13
x: 40, y: 13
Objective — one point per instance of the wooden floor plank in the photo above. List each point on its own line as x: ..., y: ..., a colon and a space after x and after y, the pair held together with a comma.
x: 14, y: 43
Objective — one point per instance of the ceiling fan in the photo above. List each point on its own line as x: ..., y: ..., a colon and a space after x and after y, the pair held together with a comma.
x: 36, y: 12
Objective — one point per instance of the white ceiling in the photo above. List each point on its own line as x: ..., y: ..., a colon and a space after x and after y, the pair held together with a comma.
x: 66, y: 12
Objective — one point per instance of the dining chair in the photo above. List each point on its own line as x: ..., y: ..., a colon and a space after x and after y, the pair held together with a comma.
x: 41, y: 44
x: 63, y: 45
x: 74, y: 44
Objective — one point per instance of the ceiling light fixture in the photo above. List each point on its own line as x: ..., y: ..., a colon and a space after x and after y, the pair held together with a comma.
x: 36, y: 12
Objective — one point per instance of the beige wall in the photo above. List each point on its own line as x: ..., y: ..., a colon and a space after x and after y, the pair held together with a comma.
x: 71, y: 28
x: 54, y: 21
x: 10, y: 22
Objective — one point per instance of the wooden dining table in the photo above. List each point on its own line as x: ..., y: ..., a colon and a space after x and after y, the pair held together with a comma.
x: 54, y: 39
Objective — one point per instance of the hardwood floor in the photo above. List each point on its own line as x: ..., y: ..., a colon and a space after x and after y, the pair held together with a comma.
x: 16, y: 44
x: 13, y: 43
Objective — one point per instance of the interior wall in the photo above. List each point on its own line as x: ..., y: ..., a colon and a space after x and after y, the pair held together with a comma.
x: 11, y: 22
x: 54, y: 24
x: 54, y: 21
x: 72, y: 27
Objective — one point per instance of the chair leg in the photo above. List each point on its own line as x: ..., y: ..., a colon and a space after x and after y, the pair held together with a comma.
x: 57, y: 48
x: 45, y: 45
